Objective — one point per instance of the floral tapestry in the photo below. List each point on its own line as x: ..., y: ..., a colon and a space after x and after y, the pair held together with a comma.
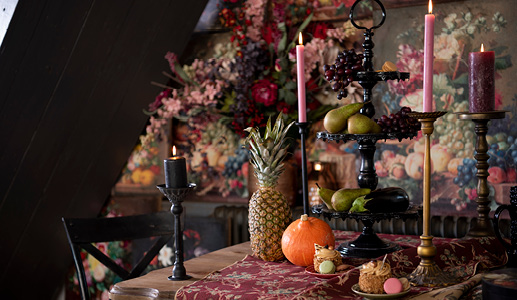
x: 461, y: 28
x: 246, y: 75
x: 238, y: 77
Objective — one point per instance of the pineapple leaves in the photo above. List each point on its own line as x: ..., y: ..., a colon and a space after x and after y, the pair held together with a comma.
x: 268, y: 151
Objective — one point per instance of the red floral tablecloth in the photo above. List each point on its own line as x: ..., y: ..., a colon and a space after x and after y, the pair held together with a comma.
x: 252, y: 278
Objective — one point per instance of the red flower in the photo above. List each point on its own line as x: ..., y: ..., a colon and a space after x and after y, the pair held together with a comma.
x: 313, y: 105
x: 263, y: 91
x: 267, y: 34
x: 498, y: 100
x: 312, y: 85
x: 346, y: 3
x: 284, y: 108
x: 155, y: 169
x: 319, y: 29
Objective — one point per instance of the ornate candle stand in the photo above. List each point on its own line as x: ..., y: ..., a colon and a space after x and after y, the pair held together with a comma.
x: 303, y: 129
x: 428, y: 273
x: 176, y: 196
x: 483, y: 226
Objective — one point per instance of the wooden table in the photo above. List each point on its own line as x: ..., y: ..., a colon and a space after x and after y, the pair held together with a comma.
x: 156, y: 285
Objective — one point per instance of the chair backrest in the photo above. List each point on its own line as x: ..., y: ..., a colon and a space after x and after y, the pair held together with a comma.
x: 82, y: 233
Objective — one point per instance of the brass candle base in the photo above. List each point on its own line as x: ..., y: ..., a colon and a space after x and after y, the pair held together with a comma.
x: 428, y: 273
x: 483, y: 226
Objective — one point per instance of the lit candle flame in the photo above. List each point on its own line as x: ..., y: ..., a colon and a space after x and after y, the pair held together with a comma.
x: 482, y: 48
x: 317, y: 167
x: 430, y: 6
x: 300, y: 39
x: 173, y: 150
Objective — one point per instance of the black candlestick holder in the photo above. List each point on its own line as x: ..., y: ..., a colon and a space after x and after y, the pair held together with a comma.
x: 176, y: 196
x: 303, y: 130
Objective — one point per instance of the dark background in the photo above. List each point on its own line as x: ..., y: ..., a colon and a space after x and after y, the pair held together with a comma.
x: 74, y: 78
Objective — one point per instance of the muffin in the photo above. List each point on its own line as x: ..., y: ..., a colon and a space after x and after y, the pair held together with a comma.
x: 373, y: 275
x: 322, y: 254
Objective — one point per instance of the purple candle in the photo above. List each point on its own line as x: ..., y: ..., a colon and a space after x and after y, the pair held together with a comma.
x: 175, y: 168
x: 481, y: 81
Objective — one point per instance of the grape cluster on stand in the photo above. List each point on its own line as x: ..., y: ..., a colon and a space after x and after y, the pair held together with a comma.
x: 399, y: 122
x: 343, y: 71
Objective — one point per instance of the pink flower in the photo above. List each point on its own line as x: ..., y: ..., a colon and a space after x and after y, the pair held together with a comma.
x: 410, y: 60
x: 263, y: 91
x: 105, y: 295
x: 498, y: 100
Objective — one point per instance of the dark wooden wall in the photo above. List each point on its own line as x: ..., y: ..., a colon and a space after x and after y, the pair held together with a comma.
x: 74, y: 78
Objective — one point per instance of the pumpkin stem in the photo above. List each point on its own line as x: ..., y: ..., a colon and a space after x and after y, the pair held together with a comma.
x: 305, y: 217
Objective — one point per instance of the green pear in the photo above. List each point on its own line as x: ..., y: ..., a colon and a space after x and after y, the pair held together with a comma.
x: 336, y: 120
x: 343, y: 198
x: 326, y: 196
x: 361, y: 124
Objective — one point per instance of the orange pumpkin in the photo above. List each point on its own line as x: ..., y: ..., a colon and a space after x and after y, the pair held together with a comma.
x: 300, y: 236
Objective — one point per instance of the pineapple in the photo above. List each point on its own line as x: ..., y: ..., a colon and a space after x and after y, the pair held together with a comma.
x: 269, y: 212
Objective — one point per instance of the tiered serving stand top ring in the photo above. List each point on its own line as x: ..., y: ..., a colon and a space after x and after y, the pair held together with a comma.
x: 368, y: 244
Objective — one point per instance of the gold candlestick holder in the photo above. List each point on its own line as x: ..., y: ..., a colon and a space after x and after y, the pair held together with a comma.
x: 427, y: 273
x: 483, y: 226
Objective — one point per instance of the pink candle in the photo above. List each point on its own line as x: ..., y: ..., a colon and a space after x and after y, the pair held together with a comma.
x: 481, y: 81
x: 428, y: 59
x: 300, y: 69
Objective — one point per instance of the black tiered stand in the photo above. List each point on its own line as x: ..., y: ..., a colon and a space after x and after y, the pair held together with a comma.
x: 368, y: 244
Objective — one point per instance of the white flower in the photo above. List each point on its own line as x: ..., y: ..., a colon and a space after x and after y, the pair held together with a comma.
x: 413, y: 100
x: 446, y: 47
x: 471, y: 29
x: 450, y: 21
x: 99, y: 272
x: 165, y: 256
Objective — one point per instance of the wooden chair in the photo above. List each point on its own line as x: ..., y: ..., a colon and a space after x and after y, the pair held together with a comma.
x: 82, y: 233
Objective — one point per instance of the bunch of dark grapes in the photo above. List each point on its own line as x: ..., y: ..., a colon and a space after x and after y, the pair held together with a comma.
x: 497, y: 157
x: 399, y: 122
x: 234, y: 163
x: 511, y: 152
x: 343, y: 71
x: 466, y: 172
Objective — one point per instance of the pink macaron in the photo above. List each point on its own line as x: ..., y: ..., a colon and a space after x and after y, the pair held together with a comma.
x: 393, y: 286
